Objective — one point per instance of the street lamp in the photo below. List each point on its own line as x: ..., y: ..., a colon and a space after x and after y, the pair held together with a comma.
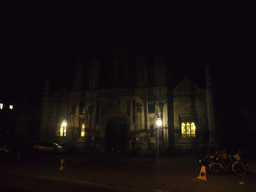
x: 64, y: 123
x: 159, y: 123
x: 64, y: 126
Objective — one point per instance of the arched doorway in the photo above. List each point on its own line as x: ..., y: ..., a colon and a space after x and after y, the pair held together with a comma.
x: 116, y: 135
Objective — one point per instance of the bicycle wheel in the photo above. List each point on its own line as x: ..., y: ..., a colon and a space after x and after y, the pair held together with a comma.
x: 215, y: 168
x: 239, y: 168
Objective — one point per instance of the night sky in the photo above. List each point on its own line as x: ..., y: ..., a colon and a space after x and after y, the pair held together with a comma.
x: 40, y: 40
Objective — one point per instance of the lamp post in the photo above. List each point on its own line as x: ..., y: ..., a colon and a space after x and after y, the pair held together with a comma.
x: 159, y: 123
x: 64, y: 127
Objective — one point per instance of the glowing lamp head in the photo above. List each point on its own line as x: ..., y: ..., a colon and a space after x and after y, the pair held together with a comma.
x: 64, y: 123
x: 159, y: 122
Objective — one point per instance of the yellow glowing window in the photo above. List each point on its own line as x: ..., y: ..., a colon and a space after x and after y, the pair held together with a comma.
x: 63, y: 131
x: 193, y: 129
x: 183, y: 130
x: 188, y: 129
x: 83, y: 130
x: 1, y: 105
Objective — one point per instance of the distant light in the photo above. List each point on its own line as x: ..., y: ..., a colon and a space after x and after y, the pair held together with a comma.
x: 1, y: 105
x: 159, y: 122
x: 64, y: 123
x: 83, y: 130
x: 11, y: 106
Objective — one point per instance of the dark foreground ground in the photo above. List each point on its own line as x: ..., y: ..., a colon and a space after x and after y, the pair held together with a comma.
x: 84, y: 172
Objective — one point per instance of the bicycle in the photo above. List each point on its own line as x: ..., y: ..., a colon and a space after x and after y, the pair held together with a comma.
x: 228, y: 165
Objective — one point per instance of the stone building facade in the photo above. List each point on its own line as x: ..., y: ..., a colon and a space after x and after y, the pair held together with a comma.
x: 190, y: 115
x: 114, y: 119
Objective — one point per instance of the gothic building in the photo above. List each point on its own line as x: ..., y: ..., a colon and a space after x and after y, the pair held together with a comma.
x: 108, y: 113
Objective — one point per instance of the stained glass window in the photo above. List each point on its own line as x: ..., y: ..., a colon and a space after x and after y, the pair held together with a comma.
x: 193, y: 129
x: 63, y: 131
x: 183, y: 129
x: 83, y: 130
x: 188, y: 129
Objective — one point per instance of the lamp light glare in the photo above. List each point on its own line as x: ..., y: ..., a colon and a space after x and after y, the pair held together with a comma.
x: 159, y: 122
x: 64, y: 123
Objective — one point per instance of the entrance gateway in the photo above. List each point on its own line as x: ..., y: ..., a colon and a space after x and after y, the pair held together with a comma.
x: 116, y: 135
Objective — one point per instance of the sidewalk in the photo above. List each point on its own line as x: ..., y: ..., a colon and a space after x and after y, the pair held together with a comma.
x: 125, y: 174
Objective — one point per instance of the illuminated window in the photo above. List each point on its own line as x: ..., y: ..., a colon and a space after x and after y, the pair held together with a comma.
x: 11, y: 106
x: 83, y: 130
x: 188, y: 129
x: 63, y: 131
x: 1, y: 105
x: 183, y: 130
x: 193, y: 129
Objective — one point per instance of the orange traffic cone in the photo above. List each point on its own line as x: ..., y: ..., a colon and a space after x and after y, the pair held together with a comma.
x: 202, y: 174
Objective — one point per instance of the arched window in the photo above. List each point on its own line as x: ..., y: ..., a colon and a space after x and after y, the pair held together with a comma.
x: 82, y: 130
x: 188, y: 129
x: 63, y: 131
x: 63, y: 128
x: 183, y: 129
x: 193, y: 129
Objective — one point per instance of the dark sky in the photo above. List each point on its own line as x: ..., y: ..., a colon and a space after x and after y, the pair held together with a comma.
x: 44, y: 39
